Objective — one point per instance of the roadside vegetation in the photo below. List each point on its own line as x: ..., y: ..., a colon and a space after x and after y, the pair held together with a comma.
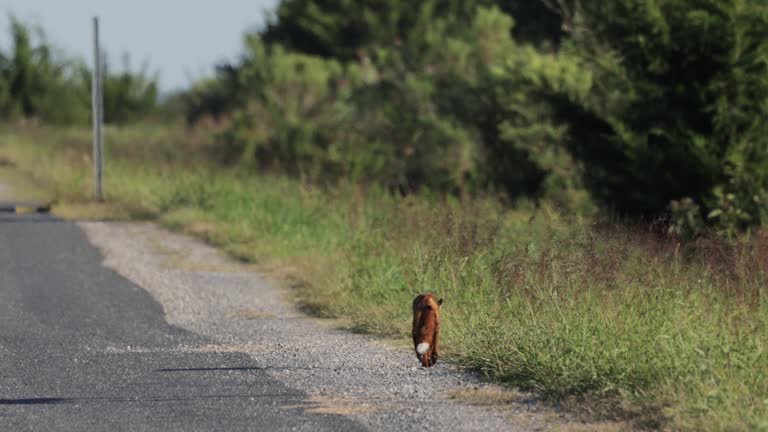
x: 583, y: 183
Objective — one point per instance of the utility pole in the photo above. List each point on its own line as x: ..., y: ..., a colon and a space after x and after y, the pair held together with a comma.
x: 98, y: 111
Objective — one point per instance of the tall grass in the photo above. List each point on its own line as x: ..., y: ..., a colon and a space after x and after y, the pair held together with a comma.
x: 624, y: 320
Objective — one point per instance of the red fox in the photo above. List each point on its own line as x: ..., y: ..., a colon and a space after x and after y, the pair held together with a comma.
x: 426, y: 327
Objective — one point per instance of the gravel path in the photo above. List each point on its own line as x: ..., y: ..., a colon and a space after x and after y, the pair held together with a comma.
x: 205, y: 292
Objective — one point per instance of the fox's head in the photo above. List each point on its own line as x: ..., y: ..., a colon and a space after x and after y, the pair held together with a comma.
x: 426, y: 301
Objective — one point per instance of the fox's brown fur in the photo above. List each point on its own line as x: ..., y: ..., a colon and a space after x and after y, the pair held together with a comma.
x: 426, y: 328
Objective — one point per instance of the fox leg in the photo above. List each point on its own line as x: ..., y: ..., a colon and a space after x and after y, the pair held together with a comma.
x: 434, y: 354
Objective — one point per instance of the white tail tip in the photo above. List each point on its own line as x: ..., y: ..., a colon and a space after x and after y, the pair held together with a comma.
x: 422, y: 348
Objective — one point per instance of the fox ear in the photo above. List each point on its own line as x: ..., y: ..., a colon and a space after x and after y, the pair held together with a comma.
x: 440, y: 302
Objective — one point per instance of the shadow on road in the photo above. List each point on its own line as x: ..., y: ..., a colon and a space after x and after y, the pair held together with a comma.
x: 73, y: 400
x: 248, y: 368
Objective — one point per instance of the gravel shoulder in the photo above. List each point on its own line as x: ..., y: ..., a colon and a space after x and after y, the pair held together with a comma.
x: 381, y: 387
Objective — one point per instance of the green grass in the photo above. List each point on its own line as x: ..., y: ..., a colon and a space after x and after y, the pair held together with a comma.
x: 611, y: 319
x: 21, y: 187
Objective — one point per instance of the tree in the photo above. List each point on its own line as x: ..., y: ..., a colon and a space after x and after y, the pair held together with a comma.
x: 37, y: 81
x: 677, y: 107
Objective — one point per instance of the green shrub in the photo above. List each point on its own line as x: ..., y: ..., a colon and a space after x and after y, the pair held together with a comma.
x: 343, y: 29
x: 38, y: 82
x: 677, y: 106
x: 128, y: 95
x: 447, y: 106
x: 35, y: 81
x: 285, y: 103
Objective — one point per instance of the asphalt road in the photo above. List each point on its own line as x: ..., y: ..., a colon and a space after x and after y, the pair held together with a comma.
x: 61, y: 310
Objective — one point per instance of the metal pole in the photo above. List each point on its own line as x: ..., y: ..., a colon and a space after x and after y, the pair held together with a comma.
x: 98, y: 110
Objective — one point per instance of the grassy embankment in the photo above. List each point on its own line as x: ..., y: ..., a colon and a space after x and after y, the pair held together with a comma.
x: 635, y: 325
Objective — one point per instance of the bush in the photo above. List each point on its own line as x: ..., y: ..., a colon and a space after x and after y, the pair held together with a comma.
x: 448, y: 106
x: 38, y: 82
x: 128, y: 95
x: 680, y: 90
x: 284, y: 103
x: 35, y: 82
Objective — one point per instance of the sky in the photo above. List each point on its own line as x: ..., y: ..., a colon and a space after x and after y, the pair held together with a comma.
x: 181, y: 40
